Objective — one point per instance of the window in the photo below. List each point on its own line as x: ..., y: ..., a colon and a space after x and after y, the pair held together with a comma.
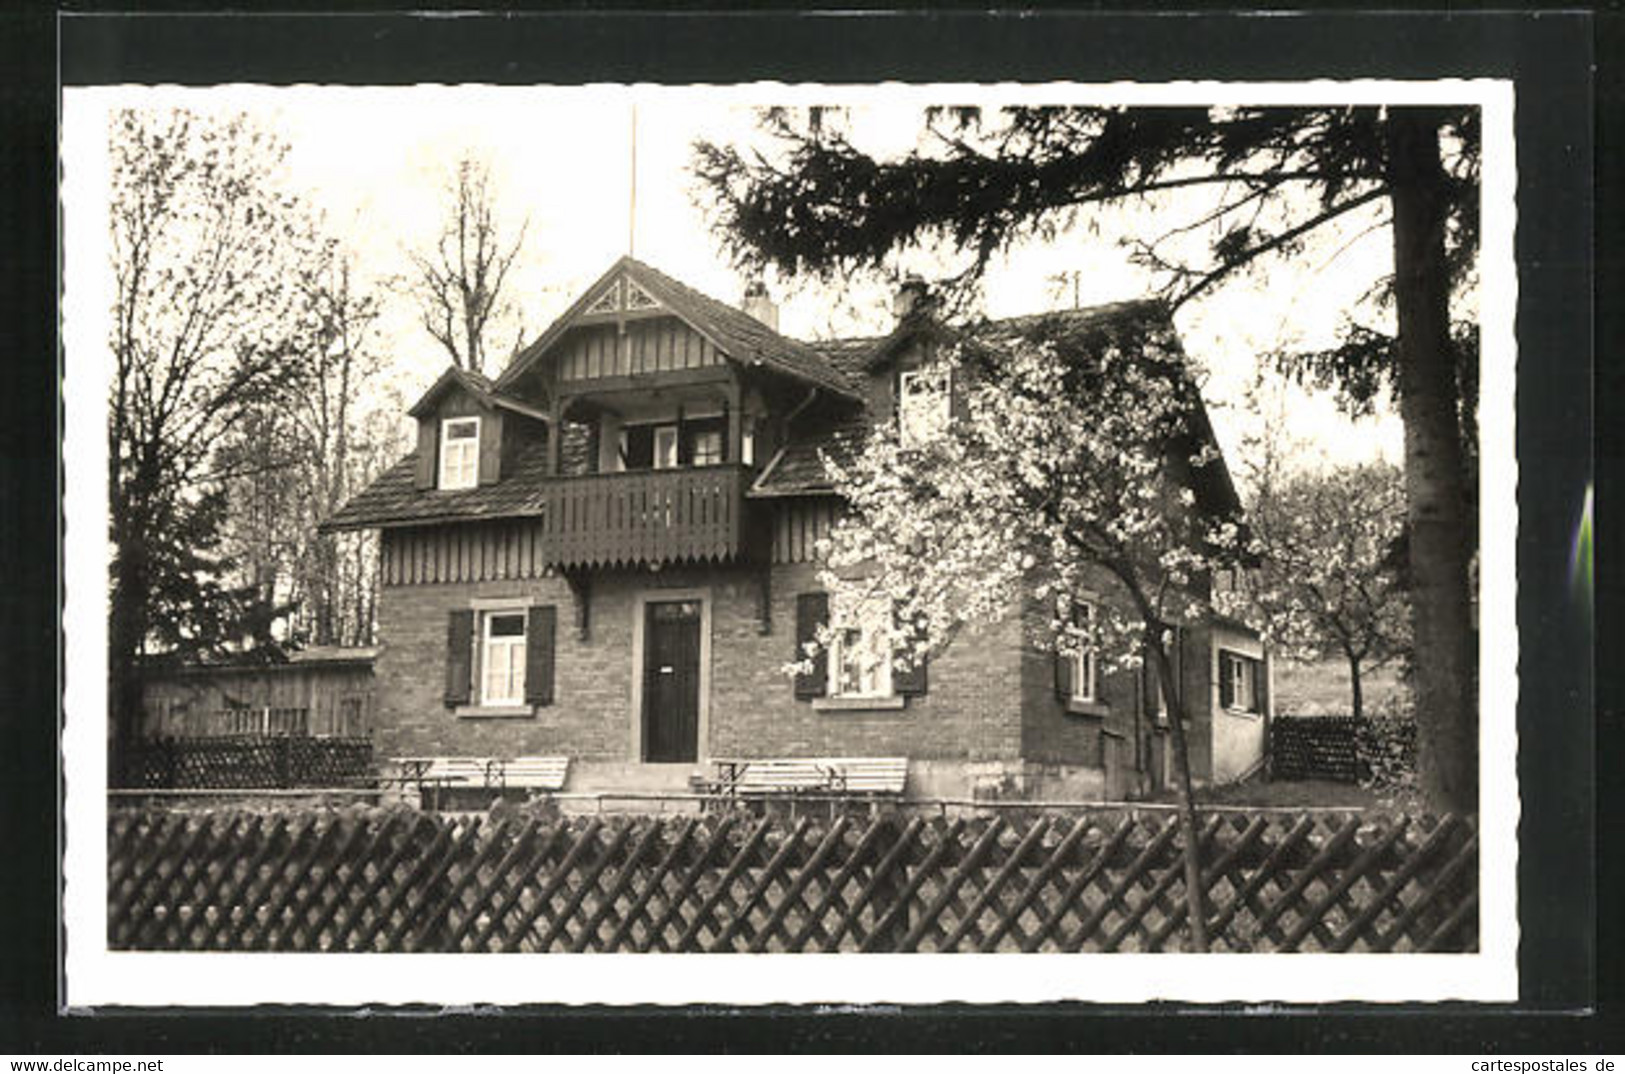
x: 665, y: 447
x: 502, y: 659
x: 923, y: 406
x: 706, y: 449
x: 1085, y: 670
x: 861, y: 649
x: 460, y: 453
x: 747, y: 443
x: 1239, y: 681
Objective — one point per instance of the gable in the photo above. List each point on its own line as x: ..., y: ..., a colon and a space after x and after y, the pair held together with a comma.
x: 660, y: 344
x: 713, y: 332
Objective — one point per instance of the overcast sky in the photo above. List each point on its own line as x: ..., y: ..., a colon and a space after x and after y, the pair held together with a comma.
x: 374, y: 161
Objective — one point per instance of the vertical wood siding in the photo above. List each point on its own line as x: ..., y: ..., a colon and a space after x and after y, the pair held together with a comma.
x: 797, y: 527
x: 651, y: 345
x: 302, y: 699
x: 469, y: 552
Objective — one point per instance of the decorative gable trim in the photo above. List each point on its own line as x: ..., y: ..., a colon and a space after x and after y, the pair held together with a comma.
x: 632, y: 289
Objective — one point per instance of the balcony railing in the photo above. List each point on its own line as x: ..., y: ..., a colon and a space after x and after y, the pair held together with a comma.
x: 652, y: 516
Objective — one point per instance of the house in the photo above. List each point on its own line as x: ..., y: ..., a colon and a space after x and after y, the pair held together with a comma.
x: 608, y: 553
x: 323, y: 691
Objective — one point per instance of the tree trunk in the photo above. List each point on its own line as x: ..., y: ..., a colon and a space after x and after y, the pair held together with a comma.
x: 1195, y: 911
x: 1447, y: 717
x: 1354, y: 684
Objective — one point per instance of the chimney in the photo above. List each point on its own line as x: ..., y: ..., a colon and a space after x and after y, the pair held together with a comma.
x: 759, y: 306
x: 912, y: 297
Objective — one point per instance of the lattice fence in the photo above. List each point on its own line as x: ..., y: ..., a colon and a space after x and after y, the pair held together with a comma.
x: 400, y: 880
x: 249, y: 762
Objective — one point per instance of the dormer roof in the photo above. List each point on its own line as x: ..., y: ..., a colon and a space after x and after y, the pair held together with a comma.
x: 475, y: 385
x: 631, y: 284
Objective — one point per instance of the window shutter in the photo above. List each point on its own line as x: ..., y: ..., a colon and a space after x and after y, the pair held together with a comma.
x: 1227, y: 680
x: 1260, y: 687
x: 459, y: 657
x: 428, y: 460
x: 912, y: 682
x: 489, y: 453
x: 1151, y: 685
x: 1063, y: 675
x: 539, y: 635
x: 812, y: 612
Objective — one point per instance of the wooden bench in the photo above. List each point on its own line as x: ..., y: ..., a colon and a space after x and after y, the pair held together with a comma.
x: 533, y: 773
x: 867, y: 776
x: 434, y: 774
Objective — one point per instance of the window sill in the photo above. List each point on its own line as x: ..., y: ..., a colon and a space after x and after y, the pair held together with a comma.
x: 478, y: 712
x: 858, y: 704
x: 1074, y: 707
x: 1248, y: 714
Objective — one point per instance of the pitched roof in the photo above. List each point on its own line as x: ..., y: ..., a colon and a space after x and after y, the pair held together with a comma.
x: 798, y: 469
x: 849, y: 356
x: 479, y: 387
x: 736, y: 333
x: 395, y: 500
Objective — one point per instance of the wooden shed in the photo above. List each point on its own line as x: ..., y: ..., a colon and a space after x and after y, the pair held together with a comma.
x: 325, y: 691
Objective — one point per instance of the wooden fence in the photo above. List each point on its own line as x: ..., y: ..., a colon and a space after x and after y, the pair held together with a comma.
x: 401, y: 880
x: 248, y: 762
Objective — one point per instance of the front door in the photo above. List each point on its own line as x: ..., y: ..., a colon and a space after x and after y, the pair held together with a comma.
x: 671, y: 681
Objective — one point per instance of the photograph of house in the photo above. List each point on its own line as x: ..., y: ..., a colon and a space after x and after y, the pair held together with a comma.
x: 847, y: 523
x: 626, y: 591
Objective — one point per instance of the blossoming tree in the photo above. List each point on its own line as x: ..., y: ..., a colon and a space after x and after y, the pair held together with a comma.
x: 1329, y: 584
x: 1073, y: 459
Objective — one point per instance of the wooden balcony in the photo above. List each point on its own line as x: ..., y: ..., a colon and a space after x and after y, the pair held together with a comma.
x: 652, y: 516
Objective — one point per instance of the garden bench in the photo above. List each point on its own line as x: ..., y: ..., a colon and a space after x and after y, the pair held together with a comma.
x: 535, y: 773
x: 867, y: 776
x: 434, y: 774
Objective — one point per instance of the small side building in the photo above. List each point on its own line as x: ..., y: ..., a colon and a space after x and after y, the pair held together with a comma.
x: 324, y: 691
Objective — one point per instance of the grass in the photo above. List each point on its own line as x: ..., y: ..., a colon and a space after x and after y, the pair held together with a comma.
x: 1322, y: 689
x: 1299, y: 793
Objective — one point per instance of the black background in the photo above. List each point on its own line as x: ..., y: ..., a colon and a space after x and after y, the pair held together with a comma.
x: 1569, y: 962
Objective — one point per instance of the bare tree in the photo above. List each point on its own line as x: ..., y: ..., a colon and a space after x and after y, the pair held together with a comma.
x: 302, y: 454
x: 207, y: 259
x: 458, y: 284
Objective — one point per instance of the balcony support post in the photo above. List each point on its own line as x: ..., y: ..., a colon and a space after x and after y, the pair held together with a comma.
x: 580, y: 583
x: 764, y: 596
x: 734, y: 412
x: 555, y: 433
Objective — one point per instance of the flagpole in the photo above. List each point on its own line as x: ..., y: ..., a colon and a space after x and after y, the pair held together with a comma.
x: 632, y: 198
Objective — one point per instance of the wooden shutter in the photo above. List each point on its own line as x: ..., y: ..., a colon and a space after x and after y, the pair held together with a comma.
x: 1227, y: 680
x: 540, y: 631
x: 1260, y: 687
x: 459, y: 657
x: 1151, y: 685
x: 1063, y: 675
x: 812, y: 612
x: 428, y: 460
x: 1066, y: 667
x: 912, y: 682
x: 490, y: 449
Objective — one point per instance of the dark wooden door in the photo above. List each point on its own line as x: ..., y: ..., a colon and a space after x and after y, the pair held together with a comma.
x: 671, y: 681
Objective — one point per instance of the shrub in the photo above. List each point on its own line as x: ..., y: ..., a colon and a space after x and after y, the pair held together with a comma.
x: 1387, y: 750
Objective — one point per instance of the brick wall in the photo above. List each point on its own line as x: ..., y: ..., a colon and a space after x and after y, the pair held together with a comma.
x: 972, y: 710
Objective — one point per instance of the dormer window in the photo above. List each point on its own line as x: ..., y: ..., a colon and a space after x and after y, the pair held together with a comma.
x: 922, y: 405
x: 459, y: 453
